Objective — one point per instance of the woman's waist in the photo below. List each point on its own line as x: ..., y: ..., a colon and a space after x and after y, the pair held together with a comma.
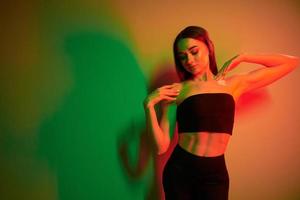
x: 208, y: 144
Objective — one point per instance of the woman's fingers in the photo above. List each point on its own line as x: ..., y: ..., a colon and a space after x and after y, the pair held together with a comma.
x: 165, y: 97
x: 168, y: 93
x: 172, y: 86
x: 167, y: 87
x: 172, y: 93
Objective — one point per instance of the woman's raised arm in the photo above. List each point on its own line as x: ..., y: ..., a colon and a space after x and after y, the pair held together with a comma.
x: 276, y: 66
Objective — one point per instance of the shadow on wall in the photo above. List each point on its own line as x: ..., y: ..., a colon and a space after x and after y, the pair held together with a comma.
x: 79, y: 141
x: 146, y: 155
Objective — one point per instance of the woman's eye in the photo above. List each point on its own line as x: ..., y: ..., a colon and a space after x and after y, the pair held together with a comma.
x: 182, y: 57
x: 194, y: 52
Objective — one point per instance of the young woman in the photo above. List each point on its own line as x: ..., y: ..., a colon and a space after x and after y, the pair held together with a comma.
x: 205, y: 102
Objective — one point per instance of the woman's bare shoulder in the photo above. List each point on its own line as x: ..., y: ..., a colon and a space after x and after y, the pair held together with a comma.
x: 234, y: 79
x: 234, y: 84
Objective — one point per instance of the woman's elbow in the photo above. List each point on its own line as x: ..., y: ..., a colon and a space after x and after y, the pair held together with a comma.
x: 291, y: 63
x: 294, y: 61
x: 297, y: 61
x: 162, y: 148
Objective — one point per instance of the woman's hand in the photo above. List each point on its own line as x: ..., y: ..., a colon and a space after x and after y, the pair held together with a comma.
x: 235, y: 62
x: 165, y: 94
x: 229, y: 65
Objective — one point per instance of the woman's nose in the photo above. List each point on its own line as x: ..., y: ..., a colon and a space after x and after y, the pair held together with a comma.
x: 190, y: 59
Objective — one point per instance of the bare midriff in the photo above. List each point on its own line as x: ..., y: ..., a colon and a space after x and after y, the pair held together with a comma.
x: 207, y: 144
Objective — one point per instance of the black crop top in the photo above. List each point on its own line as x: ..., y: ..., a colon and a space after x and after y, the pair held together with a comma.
x: 211, y: 112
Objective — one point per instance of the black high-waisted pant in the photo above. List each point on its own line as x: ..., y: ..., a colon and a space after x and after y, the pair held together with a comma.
x: 190, y: 177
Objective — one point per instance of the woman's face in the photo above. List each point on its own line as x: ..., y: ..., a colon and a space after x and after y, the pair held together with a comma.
x: 193, y: 55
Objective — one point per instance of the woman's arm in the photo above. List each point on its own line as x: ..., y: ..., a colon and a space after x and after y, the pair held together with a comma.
x: 276, y: 66
x: 159, y: 132
x: 164, y: 121
x: 160, y: 138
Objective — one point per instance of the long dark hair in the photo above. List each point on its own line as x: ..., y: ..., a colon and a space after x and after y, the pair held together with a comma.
x: 200, y: 34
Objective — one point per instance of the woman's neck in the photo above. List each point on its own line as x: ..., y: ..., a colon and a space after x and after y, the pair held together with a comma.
x: 206, y: 76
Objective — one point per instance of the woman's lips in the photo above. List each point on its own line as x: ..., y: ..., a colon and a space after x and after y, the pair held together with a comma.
x: 192, y: 67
